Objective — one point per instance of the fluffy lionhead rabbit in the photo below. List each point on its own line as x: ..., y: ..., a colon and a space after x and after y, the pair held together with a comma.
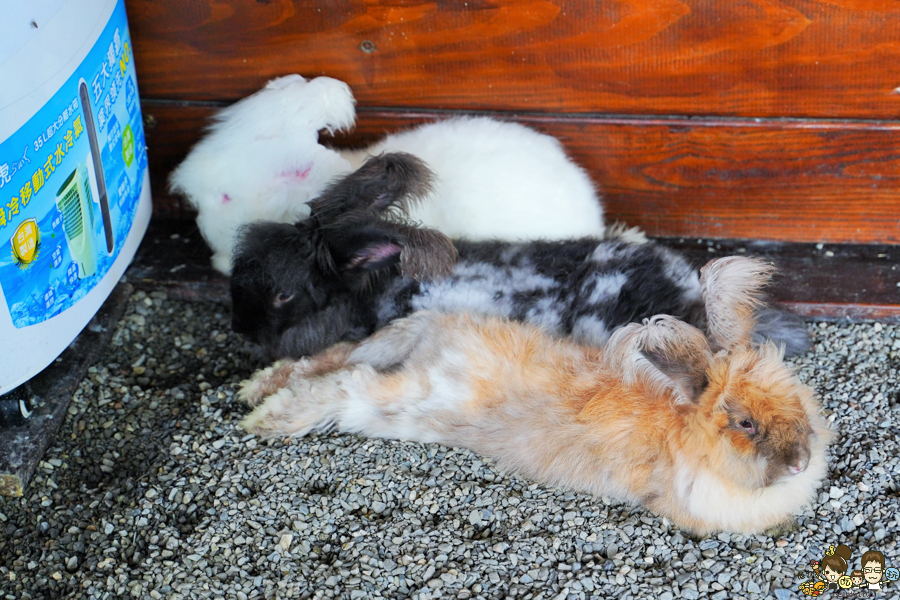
x: 351, y: 268
x: 261, y: 159
x: 726, y: 440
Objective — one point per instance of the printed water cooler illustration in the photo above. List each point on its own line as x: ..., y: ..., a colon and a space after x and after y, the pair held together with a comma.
x: 74, y: 195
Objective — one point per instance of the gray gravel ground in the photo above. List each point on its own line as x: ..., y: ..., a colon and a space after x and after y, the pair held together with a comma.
x: 151, y: 491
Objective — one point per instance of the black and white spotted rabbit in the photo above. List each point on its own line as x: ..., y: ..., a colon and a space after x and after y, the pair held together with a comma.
x: 355, y: 265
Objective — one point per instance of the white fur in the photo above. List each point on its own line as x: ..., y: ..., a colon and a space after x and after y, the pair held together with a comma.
x: 446, y: 296
x: 603, y: 287
x: 706, y: 497
x: 261, y: 159
x: 497, y: 180
x: 590, y: 330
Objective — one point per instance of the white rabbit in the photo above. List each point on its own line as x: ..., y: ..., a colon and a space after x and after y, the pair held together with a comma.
x: 261, y: 160
x: 496, y: 180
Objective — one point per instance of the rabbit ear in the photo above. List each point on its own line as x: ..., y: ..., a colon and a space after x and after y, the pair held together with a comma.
x: 302, y: 107
x: 732, y: 289
x: 427, y: 253
x: 279, y: 83
x: 422, y: 253
x: 663, y: 353
x: 372, y: 255
x: 383, y: 182
x: 359, y: 260
x: 333, y: 106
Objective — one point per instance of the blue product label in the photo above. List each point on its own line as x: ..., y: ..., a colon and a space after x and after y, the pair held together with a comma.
x: 70, y: 182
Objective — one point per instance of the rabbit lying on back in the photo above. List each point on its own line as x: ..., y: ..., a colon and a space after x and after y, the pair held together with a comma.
x: 261, y: 159
x: 714, y: 441
x: 350, y: 269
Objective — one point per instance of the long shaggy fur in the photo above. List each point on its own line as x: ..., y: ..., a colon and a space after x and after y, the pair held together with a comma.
x: 261, y: 160
x: 355, y: 265
x: 726, y: 441
x: 733, y: 286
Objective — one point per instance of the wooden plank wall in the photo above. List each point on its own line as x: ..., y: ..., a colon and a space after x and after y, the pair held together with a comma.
x: 761, y: 119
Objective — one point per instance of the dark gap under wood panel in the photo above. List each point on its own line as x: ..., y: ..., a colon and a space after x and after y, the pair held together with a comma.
x: 756, y: 58
x: 827, y: 281
x: 802, y: 181
x: 832, y: 282
x: 174, y: 257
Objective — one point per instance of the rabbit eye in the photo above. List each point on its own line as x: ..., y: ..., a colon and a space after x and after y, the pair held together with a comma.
x: 281, y: 299
x: 748, y: 426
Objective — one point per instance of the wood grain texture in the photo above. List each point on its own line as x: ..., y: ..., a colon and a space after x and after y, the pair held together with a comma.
x: 777, y: 180
x: 170, y: 132
x: 759, y: 58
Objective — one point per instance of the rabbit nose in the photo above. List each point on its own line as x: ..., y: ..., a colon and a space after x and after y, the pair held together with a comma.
x: 800, y: 465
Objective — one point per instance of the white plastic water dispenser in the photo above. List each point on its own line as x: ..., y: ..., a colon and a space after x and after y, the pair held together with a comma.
x: 74, y: 186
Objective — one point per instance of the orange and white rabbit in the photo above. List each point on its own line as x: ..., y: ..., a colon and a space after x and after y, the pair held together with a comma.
x: 714, y: 434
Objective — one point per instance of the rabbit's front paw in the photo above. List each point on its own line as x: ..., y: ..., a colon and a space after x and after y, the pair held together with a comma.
x: 267, y: 381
